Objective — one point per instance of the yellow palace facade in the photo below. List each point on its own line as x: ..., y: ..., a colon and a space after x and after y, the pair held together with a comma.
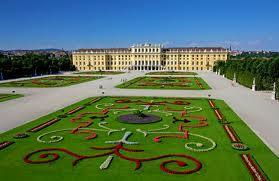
x: 149, y: 57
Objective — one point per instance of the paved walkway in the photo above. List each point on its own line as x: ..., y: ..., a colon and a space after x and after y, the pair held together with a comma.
x: 259, y: 112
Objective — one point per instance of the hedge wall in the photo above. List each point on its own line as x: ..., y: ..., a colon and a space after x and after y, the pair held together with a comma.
x: 266, y: 72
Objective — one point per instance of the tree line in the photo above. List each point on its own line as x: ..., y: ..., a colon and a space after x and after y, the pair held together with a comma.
x: 264, y: 69
x: 33, y: 65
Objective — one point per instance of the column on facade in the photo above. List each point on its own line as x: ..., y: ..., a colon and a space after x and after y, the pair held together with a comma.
x: 145, y: 65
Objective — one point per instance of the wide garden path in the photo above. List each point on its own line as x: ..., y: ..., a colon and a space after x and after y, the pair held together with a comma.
x: 256, y: 108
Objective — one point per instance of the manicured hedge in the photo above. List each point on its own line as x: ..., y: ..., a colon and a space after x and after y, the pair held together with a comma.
x: 266, y: 72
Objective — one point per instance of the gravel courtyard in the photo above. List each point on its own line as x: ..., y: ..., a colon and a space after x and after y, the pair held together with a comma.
x: 255, y: 108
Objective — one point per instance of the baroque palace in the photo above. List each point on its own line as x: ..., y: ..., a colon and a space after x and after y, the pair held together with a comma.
x: 149, y: 57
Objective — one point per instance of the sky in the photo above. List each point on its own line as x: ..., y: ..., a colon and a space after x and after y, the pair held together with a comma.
x: 74, y: 24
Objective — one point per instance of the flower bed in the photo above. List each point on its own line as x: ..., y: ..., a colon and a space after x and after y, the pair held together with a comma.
x: 75, y: 110
x: 199, y: 83
x: 48, y: 155
x: 231, y: 133
x: 44, y: 125
x: 184, y: 136
x: 202, y: 122
x: 5, y: 144
x: 20, y: 135
x: 218, y: 114
x: 240, y: 146
x: 95, y: 100
x: 211, y: 103
x: 253, y: 168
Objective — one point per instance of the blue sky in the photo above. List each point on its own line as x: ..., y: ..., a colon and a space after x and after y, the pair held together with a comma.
x: 72, y: 24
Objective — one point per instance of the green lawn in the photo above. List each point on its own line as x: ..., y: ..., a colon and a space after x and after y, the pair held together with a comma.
x: 53, y: 81
x: 208, y: 144
x: 101, y: 72
x: 171, y: 73
x: 6, y: 97
x: 182, y: 83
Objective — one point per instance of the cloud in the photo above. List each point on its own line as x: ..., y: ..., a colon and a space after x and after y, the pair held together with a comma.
x: 254, y: 42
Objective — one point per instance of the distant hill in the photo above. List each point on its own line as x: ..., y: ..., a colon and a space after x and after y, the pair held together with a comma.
x: 49, y: 49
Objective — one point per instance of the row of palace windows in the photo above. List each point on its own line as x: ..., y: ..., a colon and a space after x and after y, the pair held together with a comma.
x: 187, y: 68
x: 120, y: 68
x: 102, y: 63
x: 146, y: 62
x: 146, y: 50
x: 184, y: 63
x: 139, y: 62
x: 214, y: 55
x: 139, y: 56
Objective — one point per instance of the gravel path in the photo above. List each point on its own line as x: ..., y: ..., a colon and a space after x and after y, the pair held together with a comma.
x: 259, y: 112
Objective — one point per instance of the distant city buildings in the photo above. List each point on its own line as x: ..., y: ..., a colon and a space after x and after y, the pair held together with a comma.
x: 235, y: 52
x: 149, y: 57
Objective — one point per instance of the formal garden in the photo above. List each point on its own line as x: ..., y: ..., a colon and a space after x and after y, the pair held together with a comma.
x: 101, y: 72
x: 6, y: 97
x: 52, y: 81
x: 183, y: 83
x: 171, y: 73
x: 137, y: 138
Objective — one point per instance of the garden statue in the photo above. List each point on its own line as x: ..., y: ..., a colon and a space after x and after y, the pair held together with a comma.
x: 273, y: 94
x: 254, y: 85
x: 234, y: 78
x: 1, y: 76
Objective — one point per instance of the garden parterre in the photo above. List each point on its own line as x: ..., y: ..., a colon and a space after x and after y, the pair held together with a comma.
x: 183, y: 83
x: 52, y: 81
x: 101, y: 72
x: 194, y: 139
x: 171, y: 73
